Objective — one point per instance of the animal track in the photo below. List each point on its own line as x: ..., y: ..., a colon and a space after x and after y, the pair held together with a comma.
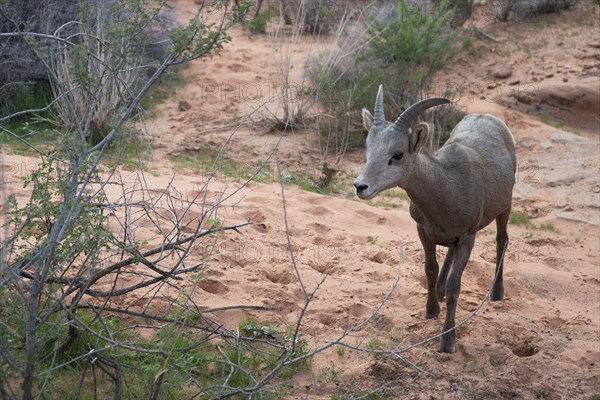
x: 327, y: 268
x: 319, y: 228
x: 359, y: 310
x: 281, y: 276
x: 326, y: 319
x: 381, y: 257
x: 318, y: 211
x: 525, y: 349
x: 212, y: 286
x: 237, y: 67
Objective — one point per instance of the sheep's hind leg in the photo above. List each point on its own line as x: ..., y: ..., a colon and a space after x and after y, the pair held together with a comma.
x: 501, y: 245
x: 441, y: 281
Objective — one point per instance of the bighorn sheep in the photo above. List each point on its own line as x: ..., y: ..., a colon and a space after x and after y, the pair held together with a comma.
x: 454, y: 193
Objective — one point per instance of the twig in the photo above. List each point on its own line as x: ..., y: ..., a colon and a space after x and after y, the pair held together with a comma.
x: 483, y: 35
x: 287, y: 236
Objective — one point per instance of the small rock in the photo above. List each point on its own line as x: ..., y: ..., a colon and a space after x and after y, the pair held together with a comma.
x: 567, y: 66
x: 594, y: 45
x: 184, y: 105
x: 515, y: 82
x: 534, y: 79
x: 565, y: 79
x: 560, y: 43
x: 492, y: 85
x: 549, y: 75
x: 502, y: 72
x: 596, y: 189
x: 526, y: 143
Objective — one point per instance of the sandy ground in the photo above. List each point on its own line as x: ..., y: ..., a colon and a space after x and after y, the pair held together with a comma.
x: 541, y: 342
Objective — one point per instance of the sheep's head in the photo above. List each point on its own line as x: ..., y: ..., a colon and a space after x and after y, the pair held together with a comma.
x: 391, y: 148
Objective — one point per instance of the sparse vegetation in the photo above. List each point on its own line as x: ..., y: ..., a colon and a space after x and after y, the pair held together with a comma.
x: 315, y: 17
x: 473, y: 364
x: 519, y: 219
x: 384, y: 204
x: 258, y: 24
x: 396, y: 194
x: 397, y: 44
x: 372, y: 239
x: 165, y: 87
x: 20, y: 96
x: 511, y: 10
x: 557, y: 123
x: 27, y: 136
x: 374, y: 344
x: 548, y: 226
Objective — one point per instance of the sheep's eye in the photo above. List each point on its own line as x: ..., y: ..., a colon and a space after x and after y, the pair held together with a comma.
x: 398, y: 155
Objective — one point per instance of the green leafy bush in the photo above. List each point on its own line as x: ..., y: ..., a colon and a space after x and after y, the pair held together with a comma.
x: 401, y: 46
x: 258, y: 24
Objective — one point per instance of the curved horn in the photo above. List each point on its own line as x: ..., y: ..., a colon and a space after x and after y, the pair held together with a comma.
x: 409, y: 116
x: 379, y: 117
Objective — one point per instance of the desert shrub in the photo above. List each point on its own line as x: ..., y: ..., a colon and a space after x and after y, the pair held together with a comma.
x: 25, y: 96
x: 106, y: 53
x: 258, y: 24
x: 21, y: 70
x: 399, y: 45
x: 104, y: 41
x: 313, y: 16
x: 460, y: 10
x: 517, y: 10
x: 410, y: 47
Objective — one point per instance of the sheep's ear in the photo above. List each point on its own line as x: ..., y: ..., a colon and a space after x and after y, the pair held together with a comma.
x: 367, y: 119
x: 418, y: 137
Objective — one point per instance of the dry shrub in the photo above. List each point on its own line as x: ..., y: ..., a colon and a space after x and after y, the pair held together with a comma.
x: 397, y: 44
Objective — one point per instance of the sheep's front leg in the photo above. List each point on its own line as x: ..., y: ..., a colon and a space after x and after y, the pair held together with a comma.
x: 432, y: 309
x: 463, y: 251
x: 441, y: 281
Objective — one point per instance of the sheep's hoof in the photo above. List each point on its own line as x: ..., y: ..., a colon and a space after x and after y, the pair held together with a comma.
x: 497, y: 294
x: 432, y: 312
x: 447, y: 341
x: 447, y: 346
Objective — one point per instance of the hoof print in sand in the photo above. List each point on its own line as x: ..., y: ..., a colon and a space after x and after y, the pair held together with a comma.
x: 525, y: 349
x: 213, y: 286
x: 280, y: 276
